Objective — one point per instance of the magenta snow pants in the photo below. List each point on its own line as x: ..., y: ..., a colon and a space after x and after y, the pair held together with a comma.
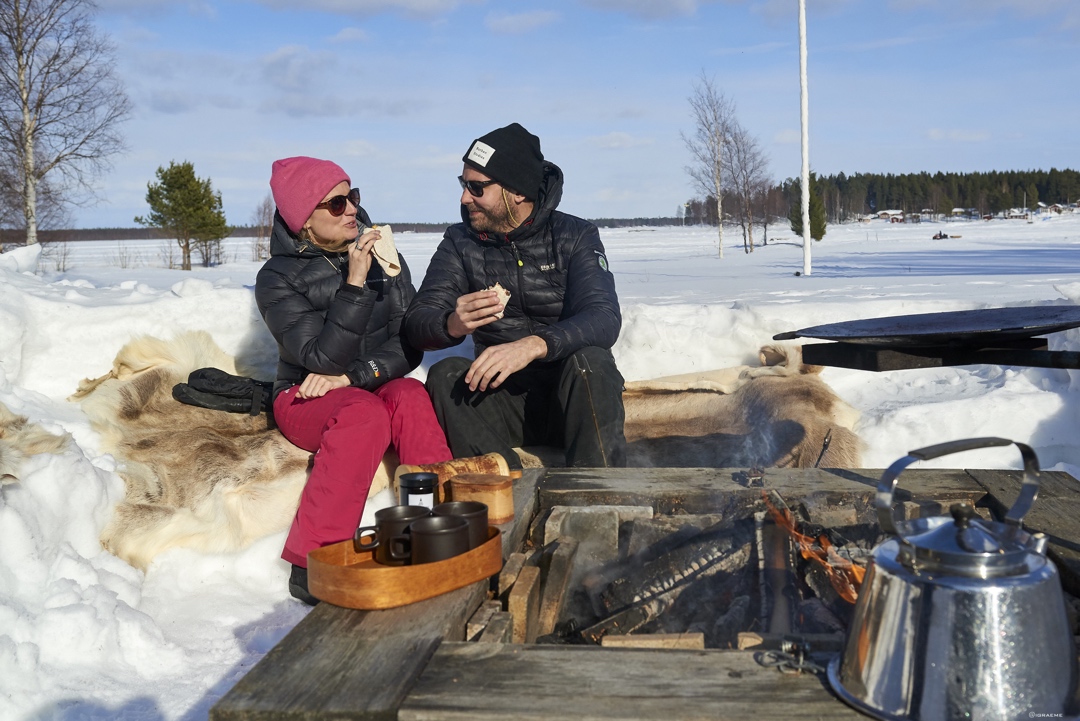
x: 349, y: 429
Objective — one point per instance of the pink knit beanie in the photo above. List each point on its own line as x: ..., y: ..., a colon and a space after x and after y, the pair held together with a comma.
x: 299, y: 184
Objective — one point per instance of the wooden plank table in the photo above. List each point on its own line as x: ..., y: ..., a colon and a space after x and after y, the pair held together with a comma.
x: 409, y: 663
x: 468, y: 681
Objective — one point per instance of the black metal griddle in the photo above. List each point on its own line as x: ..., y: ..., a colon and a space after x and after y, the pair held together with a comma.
x: 1002, y: 336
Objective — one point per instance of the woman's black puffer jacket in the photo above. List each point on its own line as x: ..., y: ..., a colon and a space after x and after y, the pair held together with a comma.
x: 554, y: 266
x: 322, y: 325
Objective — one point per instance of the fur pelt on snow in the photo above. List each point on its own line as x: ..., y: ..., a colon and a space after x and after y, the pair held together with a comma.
x: 779, y: 414
x: 216, y: 481
x: 19, y: 439
x: 194, y: 477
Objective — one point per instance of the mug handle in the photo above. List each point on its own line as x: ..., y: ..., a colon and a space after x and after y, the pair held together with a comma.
x: 358, y: 539
x: 1029, y: 491
x: 400, y: 548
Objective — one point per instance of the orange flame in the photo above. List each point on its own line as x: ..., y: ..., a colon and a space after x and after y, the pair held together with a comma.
x: 846, y: 577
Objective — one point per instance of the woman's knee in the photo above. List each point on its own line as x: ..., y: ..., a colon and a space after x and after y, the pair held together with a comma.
x: 404, y: 392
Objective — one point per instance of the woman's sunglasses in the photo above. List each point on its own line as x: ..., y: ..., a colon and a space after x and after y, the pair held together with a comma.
x: 475, y: 187
x: 338, y: 203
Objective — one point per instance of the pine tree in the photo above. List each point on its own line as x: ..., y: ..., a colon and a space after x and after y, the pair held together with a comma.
x: 187, y: 208
x: 817, y: 209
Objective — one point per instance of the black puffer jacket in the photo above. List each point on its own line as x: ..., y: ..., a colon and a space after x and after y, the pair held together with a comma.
x: 554, y: 266
x: 322, y: 325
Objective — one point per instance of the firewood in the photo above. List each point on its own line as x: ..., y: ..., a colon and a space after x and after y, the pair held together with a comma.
x: 692, y: 641
x: 722, y: 547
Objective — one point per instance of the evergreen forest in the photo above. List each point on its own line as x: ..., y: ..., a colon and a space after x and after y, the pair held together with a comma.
x: 848, y: 196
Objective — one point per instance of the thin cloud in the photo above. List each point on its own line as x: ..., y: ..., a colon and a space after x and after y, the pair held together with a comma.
x: 516, y: 24
x: 359, y: 149
x: 752, y: 49
x: 614, y: 195
x: 434, y: 159
x: 782, y: 11
x: 618, y: 141
x: 351, y: 35
x: 649, y: 8
x: 958, y: 136
x: 304, y: 105
x: 148, y: 8
x: 172, y: 102
x: 294, y: 67
x: 881, y: 44
x: 1066, y: 13
x: 422, y: 8
x: 787, y: 137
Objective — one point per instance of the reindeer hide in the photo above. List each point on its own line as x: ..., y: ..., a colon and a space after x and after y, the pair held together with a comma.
x: 781, y: 414
x: 216, y: 481
x: 20, y: 439
x: 195, y: 478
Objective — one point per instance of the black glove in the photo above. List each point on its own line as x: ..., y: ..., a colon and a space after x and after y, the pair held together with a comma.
x: 215, y: 389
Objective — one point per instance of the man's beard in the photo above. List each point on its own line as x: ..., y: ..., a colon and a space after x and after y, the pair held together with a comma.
x: 491, y: 221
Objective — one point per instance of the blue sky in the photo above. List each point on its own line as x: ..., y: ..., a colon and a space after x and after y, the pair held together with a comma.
x: 395, y: 90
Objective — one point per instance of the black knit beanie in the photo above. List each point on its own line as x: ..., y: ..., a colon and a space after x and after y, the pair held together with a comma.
x: 511, y: 156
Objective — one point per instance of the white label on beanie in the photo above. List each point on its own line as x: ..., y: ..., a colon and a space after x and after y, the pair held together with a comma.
x: 481, y: 153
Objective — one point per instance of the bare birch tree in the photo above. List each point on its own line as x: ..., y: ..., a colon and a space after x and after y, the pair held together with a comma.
x: 60, y: 101
x: 262, y: 221
x: 713, y: 116
x: 748, y: 177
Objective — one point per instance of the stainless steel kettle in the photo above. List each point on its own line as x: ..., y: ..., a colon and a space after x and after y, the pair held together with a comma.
x: 959, y: 618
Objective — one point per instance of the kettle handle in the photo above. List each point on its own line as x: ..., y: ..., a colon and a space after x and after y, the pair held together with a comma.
x: 1029, y: 491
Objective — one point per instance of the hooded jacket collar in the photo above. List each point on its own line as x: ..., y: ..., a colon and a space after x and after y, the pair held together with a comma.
x: 546, y: 202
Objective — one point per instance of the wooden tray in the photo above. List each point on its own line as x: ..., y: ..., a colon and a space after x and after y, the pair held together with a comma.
x: 339, y: 575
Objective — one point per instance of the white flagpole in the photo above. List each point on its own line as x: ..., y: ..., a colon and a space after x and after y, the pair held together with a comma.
x: 805, y: 182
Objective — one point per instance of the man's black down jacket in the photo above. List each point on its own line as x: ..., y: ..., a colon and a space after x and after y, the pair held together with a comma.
x: 554, y: 266
x: 322, y: 325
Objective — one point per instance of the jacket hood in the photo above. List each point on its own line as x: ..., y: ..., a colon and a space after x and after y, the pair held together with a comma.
x: 284, y: 242
x: 547, y: 200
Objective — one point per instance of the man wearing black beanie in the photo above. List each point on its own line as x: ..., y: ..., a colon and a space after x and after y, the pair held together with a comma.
x: 543, y: 372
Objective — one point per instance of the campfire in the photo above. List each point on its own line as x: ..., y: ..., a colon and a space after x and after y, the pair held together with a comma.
x: 711, y: 580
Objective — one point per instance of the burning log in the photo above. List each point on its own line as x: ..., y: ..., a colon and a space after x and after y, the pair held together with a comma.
x: 845, y: 576
x: 722, y: 547
x: 649, y: 589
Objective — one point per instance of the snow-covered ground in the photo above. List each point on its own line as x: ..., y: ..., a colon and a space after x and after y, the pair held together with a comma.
x: 85, y: 636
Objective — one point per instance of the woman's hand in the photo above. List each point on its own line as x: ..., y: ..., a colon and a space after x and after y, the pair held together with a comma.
x: 360, y: 257
x: 316, y: 385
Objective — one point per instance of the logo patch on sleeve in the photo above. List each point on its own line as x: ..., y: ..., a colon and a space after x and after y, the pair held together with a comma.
x: 374, y: 367
x: 481, y: 153
x: 601, y: 260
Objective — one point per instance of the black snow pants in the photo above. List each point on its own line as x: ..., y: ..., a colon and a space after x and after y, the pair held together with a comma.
x: 574, y: 404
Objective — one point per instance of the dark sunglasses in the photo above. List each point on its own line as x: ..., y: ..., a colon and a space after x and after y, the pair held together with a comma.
x: 338, y: 203
x: 475, y: 187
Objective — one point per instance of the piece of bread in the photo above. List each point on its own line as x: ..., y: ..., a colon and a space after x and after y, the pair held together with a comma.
x: 504, y: 297
x: 385, y: 251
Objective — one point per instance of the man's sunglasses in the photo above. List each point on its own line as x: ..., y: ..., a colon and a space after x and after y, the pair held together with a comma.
x: 338, y: 203
x: 475, y: 187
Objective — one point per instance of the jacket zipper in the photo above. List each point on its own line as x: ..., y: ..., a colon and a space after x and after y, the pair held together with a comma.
x: 521, y: 283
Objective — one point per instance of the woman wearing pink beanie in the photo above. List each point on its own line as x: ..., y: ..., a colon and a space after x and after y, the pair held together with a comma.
x: 340, y: 390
